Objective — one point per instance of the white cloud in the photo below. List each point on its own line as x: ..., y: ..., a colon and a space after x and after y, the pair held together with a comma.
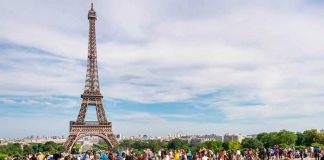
x: 7, y: 101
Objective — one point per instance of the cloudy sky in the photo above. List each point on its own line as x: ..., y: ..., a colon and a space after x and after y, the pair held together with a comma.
x: 165, y: 66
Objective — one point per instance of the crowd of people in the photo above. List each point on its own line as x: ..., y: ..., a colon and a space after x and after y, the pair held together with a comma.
x: 272, y: 153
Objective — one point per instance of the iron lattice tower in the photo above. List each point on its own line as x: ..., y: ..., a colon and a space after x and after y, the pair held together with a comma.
x: 91, y: 96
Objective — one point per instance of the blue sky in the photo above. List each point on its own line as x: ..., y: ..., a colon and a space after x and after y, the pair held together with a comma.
x: 165, y: 66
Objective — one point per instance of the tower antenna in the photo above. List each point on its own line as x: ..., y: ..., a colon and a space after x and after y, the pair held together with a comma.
x: 91, y: 1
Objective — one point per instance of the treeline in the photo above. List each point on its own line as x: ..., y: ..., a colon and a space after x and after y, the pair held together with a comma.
x: 283, y: 138
x: 287, y: 138
x: 17, y: 149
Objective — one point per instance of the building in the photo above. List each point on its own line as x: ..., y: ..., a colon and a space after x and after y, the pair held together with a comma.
x: 322, y: 130
x: 233, y: 137
x: 197, y: 139
x: 251, y: 136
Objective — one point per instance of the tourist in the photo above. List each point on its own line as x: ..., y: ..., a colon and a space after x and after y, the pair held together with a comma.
x: 238, y: 155
x: 262, y: 153
x: 176, y: 155
x: 317, y: 152
x: 189, y: 155
x: 40, y: 156
x: 204, y: 157
x: 140, y: 157
x: 9, y: 157
x: 222, y: 154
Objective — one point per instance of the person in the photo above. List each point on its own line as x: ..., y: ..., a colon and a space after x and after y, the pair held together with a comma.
x: 17, y: 157
x: 317, y: 152
x: 189, y: 155
x: 305, y: 153
x: 290, y: 153
x: 140, y: 157
x: 238, y: 154
x: 311, y: 154
x: 222, y: 154
x: 171, y: 155
x: 162, y: 154
x: 9, y: 157
x: 123, y: 156
x: 40, y: 156
x: 159, y: 154
x: 196, y: 156
x: 277, y: 152
x: 250, y: 154
x: 302, y: 154
x: 167, y: 157
x: 184, y: 156
x: 103, y: 156
x: 97, y: 156
x: 111, y: 156
x: 46, y: 157
x: 55, y: 157
x: 231, y: 155
x: 176, y: 155
x: 262, y: 153
x: 204, y: 157
x: 272, y: 154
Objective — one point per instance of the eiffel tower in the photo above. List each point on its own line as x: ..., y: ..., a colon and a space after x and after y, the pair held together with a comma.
x: 91, y: 96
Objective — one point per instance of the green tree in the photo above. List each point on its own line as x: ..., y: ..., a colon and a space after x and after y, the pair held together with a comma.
x: 265, y: 138
x: 14, y: 149
x: 155, y: 145
x: 2, y: 156
x: 225, y: 145
x: 234, y: 145
x: 300, y: 137
x: 317, y: 145
x: 60, y: 148
x: 52, y: 147
x: 268, y: 139
x: 126, y: 143
x: 251, y: 143
x: 309, y: 137
x: 320, y: 138
x: 178, y: 144
x: 287, y: 138
x: 27, y: 149
x: 75, y: 149
x: 215, y: 146
x: 3, y: 149
x: 139, y: 145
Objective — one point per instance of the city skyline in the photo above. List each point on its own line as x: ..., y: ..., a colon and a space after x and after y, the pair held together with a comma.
x: 164, y: 66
